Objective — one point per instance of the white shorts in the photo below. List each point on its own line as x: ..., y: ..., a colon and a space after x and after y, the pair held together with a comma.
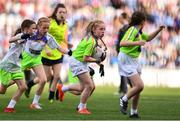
x: 127, y: 65
x: 77, y: 67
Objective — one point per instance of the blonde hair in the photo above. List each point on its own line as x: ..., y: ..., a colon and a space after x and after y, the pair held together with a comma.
x: 92, y: 26
x: 43, y: 19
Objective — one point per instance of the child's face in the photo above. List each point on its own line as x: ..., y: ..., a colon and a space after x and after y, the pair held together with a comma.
x: 61, y: 14
x: 31, y: 29
x: 43, y: 27
x: 99, y: 30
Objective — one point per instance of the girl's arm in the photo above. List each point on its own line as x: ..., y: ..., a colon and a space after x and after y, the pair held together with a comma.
x: 154, y: 34
x: 130, y: 43
x: 65, y: 51
x: 90, y: 59
x: 19, y: 37
x: 15, y: 39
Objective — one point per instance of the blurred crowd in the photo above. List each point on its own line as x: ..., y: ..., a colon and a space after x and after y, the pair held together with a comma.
x: 162, y: 52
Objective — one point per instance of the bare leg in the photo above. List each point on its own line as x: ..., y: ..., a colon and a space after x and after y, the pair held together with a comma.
x: 137, y: 86
x: 40, y: 73
x: 88, y: 85
x: 56, y: 76
x: 21, y: 88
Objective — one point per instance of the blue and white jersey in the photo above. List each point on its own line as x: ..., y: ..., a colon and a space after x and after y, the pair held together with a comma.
x: 11, y: 61
x: 37, y: 44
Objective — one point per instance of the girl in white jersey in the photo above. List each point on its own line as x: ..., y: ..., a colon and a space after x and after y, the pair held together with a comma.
x: 32, y: 56
x: 10, y: 65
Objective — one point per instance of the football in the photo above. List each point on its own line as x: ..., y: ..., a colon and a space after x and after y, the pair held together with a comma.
x: 99, y: 53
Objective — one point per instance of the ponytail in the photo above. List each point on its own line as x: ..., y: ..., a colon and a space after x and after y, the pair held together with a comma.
x: 17, y: 31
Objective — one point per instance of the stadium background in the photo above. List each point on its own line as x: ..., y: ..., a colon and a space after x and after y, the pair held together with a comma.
x: 160, y: 58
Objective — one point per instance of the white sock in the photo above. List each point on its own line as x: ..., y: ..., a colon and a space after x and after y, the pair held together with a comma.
x: 36, y: 99
x: 133, y: 111
x: 81, y: 106
x: 12, y: 103
x: 125, y: 98
x: 65, y: 88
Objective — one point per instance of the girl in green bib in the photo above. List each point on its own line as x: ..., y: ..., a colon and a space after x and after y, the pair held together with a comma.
x: 128, y: 64
x: 78, y: 65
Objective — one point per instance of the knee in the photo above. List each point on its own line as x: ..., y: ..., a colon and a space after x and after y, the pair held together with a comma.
x: 141, y: 87
x: 91, y: 87
x: 23, y: 88
x: 43, y: 81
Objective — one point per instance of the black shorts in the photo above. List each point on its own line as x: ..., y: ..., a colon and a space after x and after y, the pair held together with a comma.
x: 48, y: 62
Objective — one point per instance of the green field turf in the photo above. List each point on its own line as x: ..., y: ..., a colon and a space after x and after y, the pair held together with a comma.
x: 155, y: 103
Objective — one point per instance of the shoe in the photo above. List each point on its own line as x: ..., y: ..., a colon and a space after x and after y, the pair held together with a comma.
x: 35, y: 106
x: 84, y: 111
x: 123, y: 106
x: 135, y: 115
x: 61, y: 93
x: 27, y: 92
x: 77, y: 108
x: 9, y: 110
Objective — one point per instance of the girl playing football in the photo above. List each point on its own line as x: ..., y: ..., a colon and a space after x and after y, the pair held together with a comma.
x: 78, y: 64
x: 32, y: 56
x: 10, y: 66
x: 128, y: 64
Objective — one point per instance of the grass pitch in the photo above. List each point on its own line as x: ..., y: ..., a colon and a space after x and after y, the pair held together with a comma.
x: 155, y: 103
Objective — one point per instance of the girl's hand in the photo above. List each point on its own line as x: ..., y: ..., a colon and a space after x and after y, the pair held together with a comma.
x: 49, y: 53
x: 161, y: 27
x: 25, y: 36
x: 141, y: 42
x: 69, y: 52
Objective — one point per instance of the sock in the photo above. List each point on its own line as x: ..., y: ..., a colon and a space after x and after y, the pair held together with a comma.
x: 133, y: 111
x: 125, y: 98
x: 65, y: 88
x: 31, y: 83
x: 12, y: 103
x: 36, y: 99
x: 81, y: 106
x: 51, y: 95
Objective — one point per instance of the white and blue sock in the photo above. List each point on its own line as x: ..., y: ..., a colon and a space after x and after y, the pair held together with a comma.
x: 11, y: 104
x: 36, y: 99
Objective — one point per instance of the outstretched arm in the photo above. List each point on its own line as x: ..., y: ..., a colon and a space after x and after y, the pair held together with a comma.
x: 15, y: 39
x: 154, y: 34
x: 65, y: 51
x: 19, y: 37
x: 130, y: 43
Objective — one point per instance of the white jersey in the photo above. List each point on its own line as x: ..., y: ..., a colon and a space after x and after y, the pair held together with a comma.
x: 37, y: 44
x: 11, y: 61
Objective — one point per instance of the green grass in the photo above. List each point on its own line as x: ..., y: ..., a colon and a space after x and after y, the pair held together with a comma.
x: 155, y: 103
